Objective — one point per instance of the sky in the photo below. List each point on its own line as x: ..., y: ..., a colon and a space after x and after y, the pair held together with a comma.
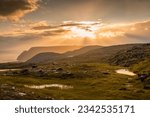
x: 29, y: 23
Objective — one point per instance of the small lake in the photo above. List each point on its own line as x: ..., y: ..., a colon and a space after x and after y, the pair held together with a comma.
x: 49, y: 85
x: 125, y: 72
x: 5, y: 70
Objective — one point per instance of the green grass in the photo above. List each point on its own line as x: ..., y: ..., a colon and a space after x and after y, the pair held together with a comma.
x: 142, y: 67
x: 101, y: 86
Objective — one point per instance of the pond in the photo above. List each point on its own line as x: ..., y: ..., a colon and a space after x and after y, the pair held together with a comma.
x: 6, y: 70
x: 49, y: 85
x: 125, y: 72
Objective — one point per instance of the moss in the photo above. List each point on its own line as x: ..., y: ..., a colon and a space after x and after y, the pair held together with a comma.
x: 142, y: 67
x: 96, y: 85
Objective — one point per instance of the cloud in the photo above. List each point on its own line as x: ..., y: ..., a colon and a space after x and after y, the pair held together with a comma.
x: 69, y: 33
x: 65, y: 24
x: 78, y: 31
x: 15, y: 9
x: 82, y: 24
x: 55, y: 32
x: 44, y: 27
x: 38, y: 24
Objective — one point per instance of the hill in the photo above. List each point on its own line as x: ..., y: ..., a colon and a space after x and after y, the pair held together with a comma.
x: 26, y: 55
x: 81, y: 50
x: 131, y: 56
x: 123, y: 55
x: 111, y: 54
x: 44, y: 57
x: 102, y: 54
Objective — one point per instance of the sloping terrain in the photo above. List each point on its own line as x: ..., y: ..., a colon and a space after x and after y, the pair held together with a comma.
x: 47, y: 56
x: 26, y: 55
x: 131, y: 56
x: 44, y: 57
x: 101, y: 54
x: 88, y: 81
x: 82, y: 50
x: 95, y: 54
x: 89, y: 75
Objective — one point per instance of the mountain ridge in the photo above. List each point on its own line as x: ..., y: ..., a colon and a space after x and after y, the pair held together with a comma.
x: 28, y: 54
x: 70, y: 54
x: 89, y: 53
x: 44, y: 57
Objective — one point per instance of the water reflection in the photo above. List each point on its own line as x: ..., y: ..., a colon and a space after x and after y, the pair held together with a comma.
x: 125, y: 72
x: 6, y: 70
x: 49, y: 85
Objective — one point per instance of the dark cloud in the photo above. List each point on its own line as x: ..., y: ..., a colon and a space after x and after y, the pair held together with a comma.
x: 58, y: 26
x: 44, y: 27
x: 110, y: 10
x: 54, y: 32
x: 15, y: 9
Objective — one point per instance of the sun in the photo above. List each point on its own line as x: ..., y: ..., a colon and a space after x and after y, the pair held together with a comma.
x: 83, y: 33
x: 83, y: 29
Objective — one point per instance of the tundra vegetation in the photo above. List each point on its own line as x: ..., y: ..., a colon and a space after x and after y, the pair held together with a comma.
x: 80, y: 78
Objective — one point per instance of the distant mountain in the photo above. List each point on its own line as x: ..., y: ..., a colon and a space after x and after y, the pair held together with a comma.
x: 117, y: 55
x: 26, y: 55
x: 131, y: 56
x: 82, y: 50
x: 49, y: 56
x: 45, y: 57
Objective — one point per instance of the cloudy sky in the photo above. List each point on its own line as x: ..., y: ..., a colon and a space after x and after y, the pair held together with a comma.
x: 28, y: 23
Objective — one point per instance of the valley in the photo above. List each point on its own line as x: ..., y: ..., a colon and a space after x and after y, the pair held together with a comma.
x: 90, y: 74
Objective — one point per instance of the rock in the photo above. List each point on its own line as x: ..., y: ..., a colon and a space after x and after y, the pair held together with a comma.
x: 146, y: 83
x: 59, y: 70
x: 24, y: 72
x: 123, y: 88
x: 104, y: 72
x: 67, y: 75
x: 22, y: 94
x: 143, y: 77
x: 34, y: 66
x: 41, y: 73
x: 4, y: 86
x: 13, y: 88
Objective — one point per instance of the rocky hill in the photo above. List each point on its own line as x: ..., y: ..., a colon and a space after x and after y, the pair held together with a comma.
x: 122, y: 55
x: 128, y: 57
x: 102, y: 54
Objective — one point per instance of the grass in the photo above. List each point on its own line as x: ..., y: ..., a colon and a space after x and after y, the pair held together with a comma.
x: 96, y: 86
x: 142, y: 67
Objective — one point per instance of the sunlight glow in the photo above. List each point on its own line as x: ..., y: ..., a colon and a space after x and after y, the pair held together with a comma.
x: 83, y: 29
x: 109, y: 34
x: 78, y: 32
